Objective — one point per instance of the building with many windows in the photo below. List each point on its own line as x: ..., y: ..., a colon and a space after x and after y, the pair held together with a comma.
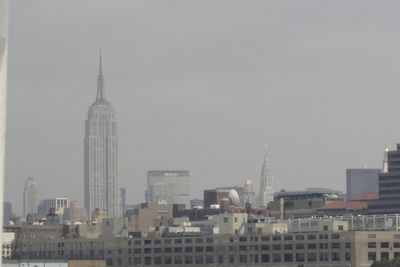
x: 361, y: 181
x: 30, y: 198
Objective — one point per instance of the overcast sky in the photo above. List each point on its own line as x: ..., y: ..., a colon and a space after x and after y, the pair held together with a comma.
x: 202, y: 85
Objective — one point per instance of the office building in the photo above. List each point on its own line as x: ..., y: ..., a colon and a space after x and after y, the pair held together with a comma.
x: 3, y: 89
x: 266, y: 194
x: 248, y: 195
x: 215, y: 196
x: 361, y: 181
x: 102, y: 189
x: 168, y: 186
x: 30, y: 198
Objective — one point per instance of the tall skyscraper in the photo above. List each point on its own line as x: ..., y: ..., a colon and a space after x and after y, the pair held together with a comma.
x: 3, y: 89
x: 361, y: 181
x: 30, y: 200
x: 248, y: 195
x: 171, y: 187
x: 101, y: 155
x: 266, y: 190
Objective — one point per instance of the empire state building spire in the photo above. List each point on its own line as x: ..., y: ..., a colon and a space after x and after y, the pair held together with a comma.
x: 101, y: 94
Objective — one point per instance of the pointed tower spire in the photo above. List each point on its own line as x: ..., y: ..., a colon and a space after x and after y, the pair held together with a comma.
x: 266, y: 190
x: 101, y: 95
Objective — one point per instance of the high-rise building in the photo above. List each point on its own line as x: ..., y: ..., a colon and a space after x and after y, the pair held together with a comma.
x: 361, y: 181
x: 30, y: 198
x: 171, y: 187
x: 101, y: 155
x: 385, y: 160
x: 266, y: 194
x: 215, y: 196
x: 123, y: 200
x: 248, y: 195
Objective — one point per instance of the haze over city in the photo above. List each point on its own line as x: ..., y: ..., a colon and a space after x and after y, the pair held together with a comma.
x: 203, y: 86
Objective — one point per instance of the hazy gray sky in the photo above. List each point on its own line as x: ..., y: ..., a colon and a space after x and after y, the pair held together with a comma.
x: 202, y: 85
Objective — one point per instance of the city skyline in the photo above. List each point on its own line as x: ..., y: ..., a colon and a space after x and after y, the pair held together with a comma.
x: 204, y: 99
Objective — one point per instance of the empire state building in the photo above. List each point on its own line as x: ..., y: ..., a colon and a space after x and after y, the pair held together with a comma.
x: 101, y: 155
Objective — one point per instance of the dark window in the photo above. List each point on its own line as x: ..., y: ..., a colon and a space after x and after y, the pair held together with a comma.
x: 209, y: 240
x: 178, y: 260
x: 325, y: 228
x: 335, y: 236
x: 288, y: 257
x: 242, y: 239
x: 340, y: 227
x: 210, y: 249
x: 312, y: 246
x: 384, y: 255
x: 335, y: 245
x: 199, y: 240
x: 384, y: 244
x: 188, y: 241
x: 242, y: 248
x: 199, y: 260
x: 188, y: 260
x: 167, y: 250
x: 276, y: 258
x: 311, y: 237
x: 300, y: 257
x: 167, y: 260
x: 335, y: 256
x: 299, y: 237
x: 312, y: 257
x: 167, y: 241
x: 147, y: 242
x: 348, y: 245
x: 189, y: 249
x: 264, y: 247
x: 157, y: 241
x: 371, y: 245
x: 299, y: 246
x: 264, y: 258
x: 178, y: 241
x: 348, y: 256
x: 288, y: 246
x: 288, y: 237
x: 157, y: 250
x: 276, y: 237
x: 178, y: 249
x: 147, y: 260
x: 231, y: 259
x: 209, y: 259
x: 199, y: 249
x: 109, y: 262
x: 220, y: 259
x: 265, y: 238
x: 396, y: 255
x: 243, y: 259
x: 147, y: 250
x: 137, y: 260
x: 371, y: 256
x: 396, y: 244
x: 137, y: 250
x: 276, y: 247
x: 157, y: 260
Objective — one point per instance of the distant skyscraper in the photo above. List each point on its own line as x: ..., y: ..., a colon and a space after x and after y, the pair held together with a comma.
x: 266, y: 190
x: 248, y: 195
x: 30, y: 201
x: 171, y: 187
x: 7, y: 211
x: 101, y: 155
x: 58, y: 204
x: 123, y: 200
x: 361, y: 181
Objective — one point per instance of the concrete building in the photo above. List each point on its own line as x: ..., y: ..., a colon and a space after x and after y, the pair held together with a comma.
x: 331, y: 246
x: 8, y: 239
x: 75, y: 213
x: 150, y: 215
x: 361, y: 181
x: 30, y: 198
x: 102, y: 189
x: 266, y: 194
x: 297, y: 204
x: 168, y: 186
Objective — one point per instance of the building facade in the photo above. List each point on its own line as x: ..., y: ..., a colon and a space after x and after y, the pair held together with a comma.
x: 361, y: 181
x: 101, y: 155
x: 266, y: 194
x: 168, y: 186
x: 58, y: 204
x: 30, y: 198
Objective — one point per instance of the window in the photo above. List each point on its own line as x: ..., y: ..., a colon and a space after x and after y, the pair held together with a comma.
x: 371, y: 235
x: 396, y: 255
x: 168, y: 260
x: 242, y: 248
x: 225, y: 220
x: 299, y: 246
x: 178, y: 249
x: 167, y: 250
x: 340, y: 227
x: 264, y: 258
x: 348, y: 256
x: 311, y: 237
x: 312, y: 246
x: 157, y: 250
x: 288, y: 237
x: 188, y: 241
x: 288, y: 257
x: 231, y: 258
x: 136, y: 251
x: 147, y: 242
x: 384, y: 255
x: 157, y: 241
x: 199, y: 260
x: 220, y: 259
x: 335, y: 236
x: 335, y: 256
x: 371, y: 244
x: 265, y: 238
x: 371, y: 256
x: 188, y: 260
x: 209, y: 240
x: 299, y: 237
x: 348, y: 245
x: 178, y: 241
x: 312, y: 257
x: 300, y: 257
x: 243, y: 259
x: 199, y: 240
x: 147, y: 260
x: 288, y: 246
x: 167, y: 241
x: 199, y: 249
x: 157, y: 260
x: 325, y: 228
x: 242, y: 239
x: 137, y: 260
x: 396, y: 244
x: 178, y: 260
x: 276, y: 238
x: 189, y: 249
x: 147, y: 250
x: 276, y: 247
x: 384, y: 244
x: 276, y: 258
x: 264, y: 247
x: 335, y: 245
x: 209, y: 249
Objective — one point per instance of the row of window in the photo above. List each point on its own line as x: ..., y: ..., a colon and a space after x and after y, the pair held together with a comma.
x: 383, y: 244
x: 221, y: 259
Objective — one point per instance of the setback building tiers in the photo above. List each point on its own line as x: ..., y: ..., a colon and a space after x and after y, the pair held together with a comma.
x: 327, y: 247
